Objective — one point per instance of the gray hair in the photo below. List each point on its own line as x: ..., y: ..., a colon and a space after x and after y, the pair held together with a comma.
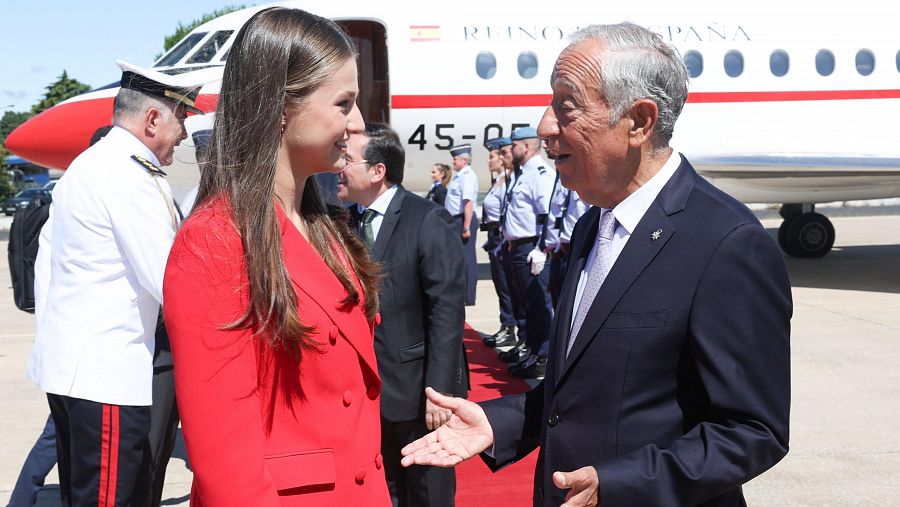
x: 637, y: 64
x: 131, y: 104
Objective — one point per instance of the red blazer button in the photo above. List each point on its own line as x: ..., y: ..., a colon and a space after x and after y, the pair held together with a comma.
x: 348, y: 398
x: 378, y: 461
x: 378, y: 319
x: 360, y: 476
x: 372, y: 392
x: 333, y: 334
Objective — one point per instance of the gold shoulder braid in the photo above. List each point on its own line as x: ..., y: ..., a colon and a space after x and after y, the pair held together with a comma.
x: 156, y: 172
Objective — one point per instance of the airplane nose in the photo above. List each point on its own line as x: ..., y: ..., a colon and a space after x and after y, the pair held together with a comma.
x: 56, y: 136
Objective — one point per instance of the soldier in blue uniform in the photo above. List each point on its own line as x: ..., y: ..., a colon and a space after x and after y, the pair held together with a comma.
x: 491, y: 209
x: 527, y: 216
x: 460, y: 203
x: 566, y: 207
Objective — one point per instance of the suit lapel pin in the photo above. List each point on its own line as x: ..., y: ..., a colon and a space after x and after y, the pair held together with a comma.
x: 656, y: 234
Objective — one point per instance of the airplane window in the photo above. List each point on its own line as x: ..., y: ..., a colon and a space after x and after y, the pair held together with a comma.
x: 208, y: 50
x: 694, y: 62
x: 176, y: 54
x: 528, y: 64
x: 865, y: 62
x: 824, y: 62
x: 779, y: 62
x: 486, y: 64
x: 898, y: 61
x: 734, y: 63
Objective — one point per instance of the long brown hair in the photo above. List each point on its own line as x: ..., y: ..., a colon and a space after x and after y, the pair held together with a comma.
x: 278, y: 58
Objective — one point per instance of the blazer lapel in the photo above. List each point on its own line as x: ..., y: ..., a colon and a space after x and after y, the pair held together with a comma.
x: 581, y: 248
x: 314, y: 278
x: 391, y: 216
x: 646, y: 241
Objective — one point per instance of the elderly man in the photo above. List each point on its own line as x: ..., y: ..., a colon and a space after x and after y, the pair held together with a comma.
x: 669, y: 376
x: 98, y: 288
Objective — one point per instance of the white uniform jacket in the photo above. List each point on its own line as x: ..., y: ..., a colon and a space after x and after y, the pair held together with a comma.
x: 99, y: 273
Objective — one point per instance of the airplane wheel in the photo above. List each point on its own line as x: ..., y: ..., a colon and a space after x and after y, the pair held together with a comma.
x: 809, y: 235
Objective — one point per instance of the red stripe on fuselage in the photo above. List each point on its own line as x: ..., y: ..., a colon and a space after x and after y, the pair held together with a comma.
x: 542, y: 100
x: 55, y: 137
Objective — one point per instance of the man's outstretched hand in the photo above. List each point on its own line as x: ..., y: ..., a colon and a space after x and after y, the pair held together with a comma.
x: 466, y: 434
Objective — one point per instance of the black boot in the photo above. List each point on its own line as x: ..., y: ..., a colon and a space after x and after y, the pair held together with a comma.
x: 534, y: 368
x: 515, y: 354
x: 505, y: 337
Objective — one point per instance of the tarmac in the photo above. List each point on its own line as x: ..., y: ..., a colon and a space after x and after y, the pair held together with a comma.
x: 845, y: 417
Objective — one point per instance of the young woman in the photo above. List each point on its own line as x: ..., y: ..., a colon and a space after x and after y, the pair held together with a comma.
x: 270, y: 304
x: 440, y: 178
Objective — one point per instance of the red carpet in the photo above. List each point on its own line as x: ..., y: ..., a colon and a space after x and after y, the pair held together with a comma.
x: 476, y: 486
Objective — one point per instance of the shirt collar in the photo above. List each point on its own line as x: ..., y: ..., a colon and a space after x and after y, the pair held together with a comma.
x: 381, y: 202
x: 127, y: 142
x: 630, y: 211
x: 533, y: 163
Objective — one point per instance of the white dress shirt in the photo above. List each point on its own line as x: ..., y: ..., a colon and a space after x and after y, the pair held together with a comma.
x: 99, y: 274
x: 380, y: 206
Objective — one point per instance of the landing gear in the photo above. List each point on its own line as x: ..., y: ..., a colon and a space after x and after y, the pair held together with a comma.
x: 805, y: 233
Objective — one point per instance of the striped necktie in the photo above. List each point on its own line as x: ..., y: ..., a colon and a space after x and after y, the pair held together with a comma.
x: 602, y: 263
x: 368, y: 235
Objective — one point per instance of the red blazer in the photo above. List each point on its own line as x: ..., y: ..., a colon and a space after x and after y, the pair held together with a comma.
x: 262, y: 429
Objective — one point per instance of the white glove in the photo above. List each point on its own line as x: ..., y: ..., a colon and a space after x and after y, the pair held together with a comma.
x: 536, y: 259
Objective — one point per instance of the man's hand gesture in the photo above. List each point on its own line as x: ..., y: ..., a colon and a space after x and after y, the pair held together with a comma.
x: 466, y: 434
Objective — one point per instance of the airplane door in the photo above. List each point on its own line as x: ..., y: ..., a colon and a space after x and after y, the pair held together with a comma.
x: 374, y: 93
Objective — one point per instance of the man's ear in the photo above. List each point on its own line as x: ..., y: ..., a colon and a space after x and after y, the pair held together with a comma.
x: 378, y: 172
x: 644, y: 114
x: 152, y: 120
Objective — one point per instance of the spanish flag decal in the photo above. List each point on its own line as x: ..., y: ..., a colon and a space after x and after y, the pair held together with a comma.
x: 424, y: 33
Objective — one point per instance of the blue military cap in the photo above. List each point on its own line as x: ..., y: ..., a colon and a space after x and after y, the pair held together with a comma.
x: 524, y: 133
x: 493, y: 144
x: 461, y: 149
x: 504, y: 141
x: 201, y: 138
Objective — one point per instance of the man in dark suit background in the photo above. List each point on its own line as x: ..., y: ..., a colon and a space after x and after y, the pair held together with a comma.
x: 668, y: 381
x: 418, y: 342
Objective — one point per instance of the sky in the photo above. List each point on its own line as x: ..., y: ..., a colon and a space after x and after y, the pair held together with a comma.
x: 39, y: 39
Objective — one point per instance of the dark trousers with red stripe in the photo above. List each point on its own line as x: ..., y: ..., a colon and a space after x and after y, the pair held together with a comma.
x: 102, y: 450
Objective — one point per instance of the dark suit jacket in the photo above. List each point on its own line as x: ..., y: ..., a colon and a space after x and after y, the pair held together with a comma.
x: 419, y: 341
x: 438, y: 194
x: 677, y: 388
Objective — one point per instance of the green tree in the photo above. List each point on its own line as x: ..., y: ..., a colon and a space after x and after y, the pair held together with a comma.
x: 182, y: 30
x: 11, y: 120
x: 63, y: 88
x: 8, y: 123
x: 6, y: 188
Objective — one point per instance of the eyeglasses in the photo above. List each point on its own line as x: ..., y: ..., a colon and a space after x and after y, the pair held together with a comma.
x: 351, y: 164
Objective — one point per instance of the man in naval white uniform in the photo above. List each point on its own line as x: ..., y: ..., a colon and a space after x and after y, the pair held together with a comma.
x: 98, y: 281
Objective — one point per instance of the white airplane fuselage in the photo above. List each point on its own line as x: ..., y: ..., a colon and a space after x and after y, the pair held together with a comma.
x: 442, y: 78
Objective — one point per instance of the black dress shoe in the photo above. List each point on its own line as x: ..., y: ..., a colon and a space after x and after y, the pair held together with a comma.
x: 515, y: 354
x: 534, y: 369
x: 512, y: 367
x: 505, y: 337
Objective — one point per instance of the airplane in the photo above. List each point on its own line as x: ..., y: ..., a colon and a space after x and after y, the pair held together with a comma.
x: 789, y: 103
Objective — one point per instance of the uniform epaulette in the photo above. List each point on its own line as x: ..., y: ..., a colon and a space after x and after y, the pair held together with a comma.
x: 152, y: 169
